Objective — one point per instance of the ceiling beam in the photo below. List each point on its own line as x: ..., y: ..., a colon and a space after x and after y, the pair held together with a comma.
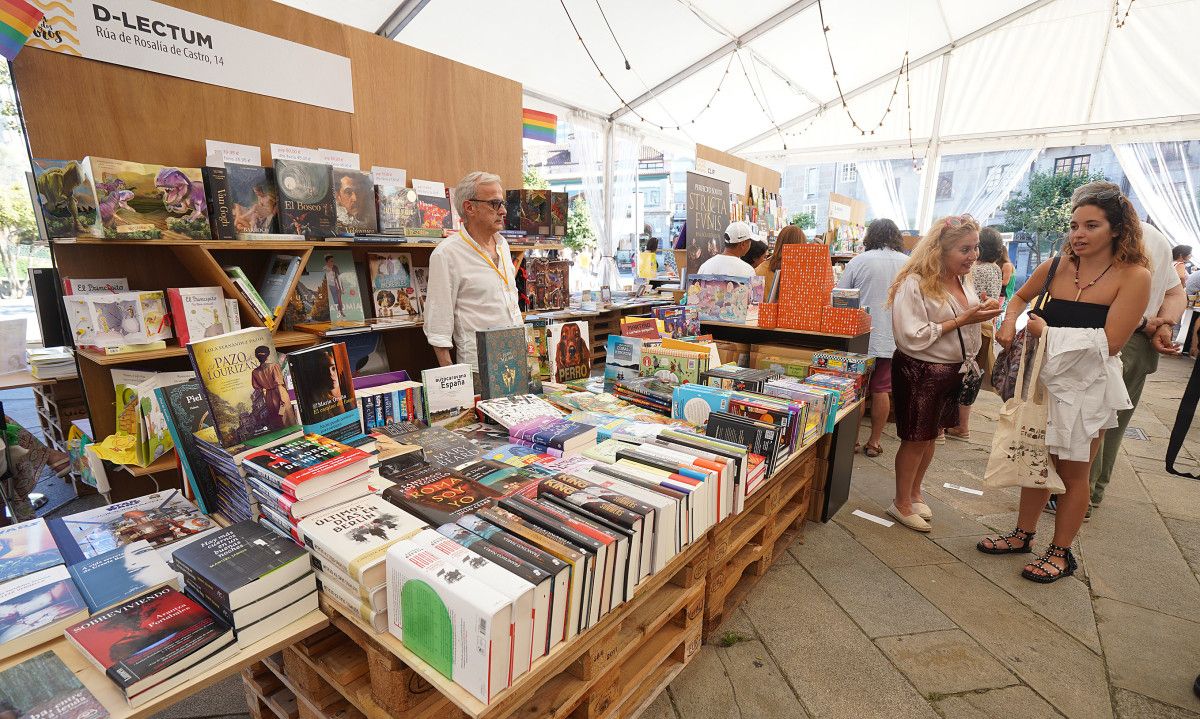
x: 757, y: 31
x: 404, y: 13
x: 891, y: 74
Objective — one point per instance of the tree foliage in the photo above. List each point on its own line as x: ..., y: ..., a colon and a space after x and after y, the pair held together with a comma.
x: 804, y: 220
x: 532, y: 179
x: 1044, y: 207
x: 9, y: 117
x: 580, y: 237
x: 17, y: 226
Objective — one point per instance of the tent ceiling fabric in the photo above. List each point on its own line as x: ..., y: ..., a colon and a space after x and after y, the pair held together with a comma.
x: 1059, y: 64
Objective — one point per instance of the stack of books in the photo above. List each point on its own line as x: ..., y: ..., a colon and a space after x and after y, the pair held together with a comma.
x: 153, y: 643
x: 348, y: 544
x: 226, y: 466
x: 304, y: 475
x: 36, y: 590
x: 645, y: 392
x: 553, y: 435
x: 52, y: 363
x: 251, y: 578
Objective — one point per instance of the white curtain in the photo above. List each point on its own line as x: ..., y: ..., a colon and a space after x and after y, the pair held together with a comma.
x: 626, y: 147
x: 879, y: 182
x: 1169, y: 197
x: 587, y: 144
x: 1011, y: 166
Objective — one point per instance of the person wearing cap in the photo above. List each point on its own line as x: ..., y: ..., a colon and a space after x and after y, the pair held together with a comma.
x: 737, y: 242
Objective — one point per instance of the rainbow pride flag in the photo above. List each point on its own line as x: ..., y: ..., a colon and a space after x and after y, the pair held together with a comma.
x: 535, y: 125
x: 17, y: 21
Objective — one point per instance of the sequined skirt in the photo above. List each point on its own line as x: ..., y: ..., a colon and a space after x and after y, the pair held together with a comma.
x: 926, y: 397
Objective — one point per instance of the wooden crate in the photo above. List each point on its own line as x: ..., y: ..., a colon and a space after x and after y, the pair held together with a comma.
x: 744, y: 547
x: 614, y: 669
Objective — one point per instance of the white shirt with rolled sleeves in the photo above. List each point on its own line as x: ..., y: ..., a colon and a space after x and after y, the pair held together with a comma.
x: 466, y: 294
x: 1162, y: 274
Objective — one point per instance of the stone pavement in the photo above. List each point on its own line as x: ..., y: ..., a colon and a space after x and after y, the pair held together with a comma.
x: 858, y: 620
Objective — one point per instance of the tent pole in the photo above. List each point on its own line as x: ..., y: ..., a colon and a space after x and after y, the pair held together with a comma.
x: 933, y: 158
x: 404, y: 13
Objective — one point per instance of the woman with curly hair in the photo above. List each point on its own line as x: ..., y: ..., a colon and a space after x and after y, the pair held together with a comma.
x: 1096, y: 291
x: 935, y: 320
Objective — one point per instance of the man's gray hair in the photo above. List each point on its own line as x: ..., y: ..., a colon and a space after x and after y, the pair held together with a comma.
x: 468, y: 188
x: 1094, y: 191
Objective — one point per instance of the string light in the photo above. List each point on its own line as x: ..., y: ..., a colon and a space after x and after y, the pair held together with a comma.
x: 1117, y: 18
x: 757, y: 99
x: 707, y: 103
x: 908, y: 99
x: 596, y: 65
x: 838, y: 82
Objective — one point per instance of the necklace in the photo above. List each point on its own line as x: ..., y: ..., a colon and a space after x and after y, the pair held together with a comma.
x: 1088, y: 285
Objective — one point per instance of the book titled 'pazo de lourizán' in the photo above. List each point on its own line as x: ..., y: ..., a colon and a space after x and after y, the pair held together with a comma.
x: 244, y: 384
x: 152, y: 642
x: 307, y: 465
x: 42, y: 687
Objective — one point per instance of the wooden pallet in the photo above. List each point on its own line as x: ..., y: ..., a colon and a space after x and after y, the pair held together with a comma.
x: 612, y: 670
x: 744, y: 547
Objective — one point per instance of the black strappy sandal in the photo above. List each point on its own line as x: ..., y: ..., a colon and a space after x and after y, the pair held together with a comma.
x: 1043, y: 563
x: 1009, y: 547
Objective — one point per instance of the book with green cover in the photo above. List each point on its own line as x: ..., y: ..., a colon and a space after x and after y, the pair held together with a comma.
x: 503, y: 364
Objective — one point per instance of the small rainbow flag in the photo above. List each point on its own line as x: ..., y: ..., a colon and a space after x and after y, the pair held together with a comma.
x: 535, y: 125
x: 17, y: 21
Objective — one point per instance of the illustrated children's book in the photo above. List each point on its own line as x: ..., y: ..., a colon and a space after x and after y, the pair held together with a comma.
x: 243, y: 381
x: 570, y: 355
x: 67, y: 206
x: 306, y: 200
x: 198, y: 312
x: 393, y: 285
x: 398, y: 211
x: 253, y: 197
x: 115, y: 319
x: 142, y: 201
x: 354, y: 194
x: 328, y: 291
x: 719, y: 298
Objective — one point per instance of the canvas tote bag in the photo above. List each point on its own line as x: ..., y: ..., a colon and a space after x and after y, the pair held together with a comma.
x: 1019, y: 457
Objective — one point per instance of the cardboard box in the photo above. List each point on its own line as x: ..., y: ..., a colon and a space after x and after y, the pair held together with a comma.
x: 738, y: 352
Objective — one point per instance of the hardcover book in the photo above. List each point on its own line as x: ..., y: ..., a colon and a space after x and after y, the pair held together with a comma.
x: 324, y: 388
x: 143, y: 201
x: 220, y: 205
x: 354, y: 537
x: 307, y: 465
x: 42, y: 687
x: 397, y: 208
x: 328, y: 291
x: 26, y: 548
x: 354, y: 193
x: 538, y: 341
x: 243, y: 382
x: 163, y: 520
x: 306, y: 199
x: 436, y: 216
x: 559, y: 211
x: 503, y: 364
x: 198, y: 312
x: 448, y: 391
x: 570, y: 353
x: 529, y: 211
x: 36, y: 607
x: 67, y: 206
x: 254, y: 198
x: 237, y: 565
x: 393, y: 289
x: 125, y: 572
x: 149, y: 639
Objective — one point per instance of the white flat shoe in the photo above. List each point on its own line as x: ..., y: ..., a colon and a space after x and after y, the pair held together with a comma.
x: 923, y: 511
x: 912, y: 521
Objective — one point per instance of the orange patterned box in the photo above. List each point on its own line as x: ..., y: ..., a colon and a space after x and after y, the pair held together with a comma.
x: 768, y: 314
x: 845, y: 320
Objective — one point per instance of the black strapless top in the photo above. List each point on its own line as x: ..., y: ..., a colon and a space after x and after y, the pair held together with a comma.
x: 1069, y: 313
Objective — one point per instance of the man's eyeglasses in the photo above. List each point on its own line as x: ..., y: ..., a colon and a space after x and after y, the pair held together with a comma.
x: 495, y: 204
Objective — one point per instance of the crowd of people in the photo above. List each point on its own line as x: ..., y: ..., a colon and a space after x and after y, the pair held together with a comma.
x: 1106, y: 306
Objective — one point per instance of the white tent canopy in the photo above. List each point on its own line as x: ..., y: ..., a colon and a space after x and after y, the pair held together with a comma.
x: 996, y: 74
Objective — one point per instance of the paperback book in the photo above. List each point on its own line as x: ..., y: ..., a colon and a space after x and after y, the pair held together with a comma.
x: 164, y: 520
x: 36, y: 608
x: 186, y: 411
x: 352, y: 539
x: 325, y: 396
x: 277, y: 278
x: 125, y: 572
x: 243, y: 382
x: 307, y: 465
x: 42, y: 687
x: 448, y: 392
x: 27, y: 547
x: 437, y: 495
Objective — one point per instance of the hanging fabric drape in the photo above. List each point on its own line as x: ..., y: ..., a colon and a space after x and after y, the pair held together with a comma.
x: 1010, y: 166
x: 879, y: 182
x: 624, y: 232
x: 1169, y: 195
x: 586, y: 142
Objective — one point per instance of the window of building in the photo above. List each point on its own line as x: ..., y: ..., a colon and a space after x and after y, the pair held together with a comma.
x: 813, y: 183
x: 994, y: 174
x: 1073, y: 165
x: 653, y: 196
x: 945, y: 185
x: 849, y: 172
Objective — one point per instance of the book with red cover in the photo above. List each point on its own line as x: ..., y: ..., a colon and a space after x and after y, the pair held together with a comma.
x: 149, y: 638
x: 307, y: 465
x: 642, y: 327
x: 437, y: 495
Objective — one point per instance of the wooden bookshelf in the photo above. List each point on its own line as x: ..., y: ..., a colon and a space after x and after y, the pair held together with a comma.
x: 284, y: 244
x: 283, y: 338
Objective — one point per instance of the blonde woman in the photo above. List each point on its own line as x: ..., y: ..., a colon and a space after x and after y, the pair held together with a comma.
x: 936, y: 315
x: 1101, y: 282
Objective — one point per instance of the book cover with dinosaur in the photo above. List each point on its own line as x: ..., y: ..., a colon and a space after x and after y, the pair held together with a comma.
x: 135, y: 200
x: 67, y: 206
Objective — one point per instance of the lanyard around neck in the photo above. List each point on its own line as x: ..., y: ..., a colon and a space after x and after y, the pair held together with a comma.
x: 499, y: 273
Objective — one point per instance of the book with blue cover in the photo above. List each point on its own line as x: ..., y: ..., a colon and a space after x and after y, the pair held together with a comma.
x: 503, y: 362
x: 186, y: 411
x: 125, y: 572
x: 325, y: 395
x: 622, y: 359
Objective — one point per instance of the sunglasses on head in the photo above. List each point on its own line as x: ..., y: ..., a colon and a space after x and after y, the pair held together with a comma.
x: 958, y: 220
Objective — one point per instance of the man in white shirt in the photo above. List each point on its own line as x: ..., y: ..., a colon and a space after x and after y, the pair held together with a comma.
x: 472, y: 282
x: 1139, y: 356
x: 729, y: 262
